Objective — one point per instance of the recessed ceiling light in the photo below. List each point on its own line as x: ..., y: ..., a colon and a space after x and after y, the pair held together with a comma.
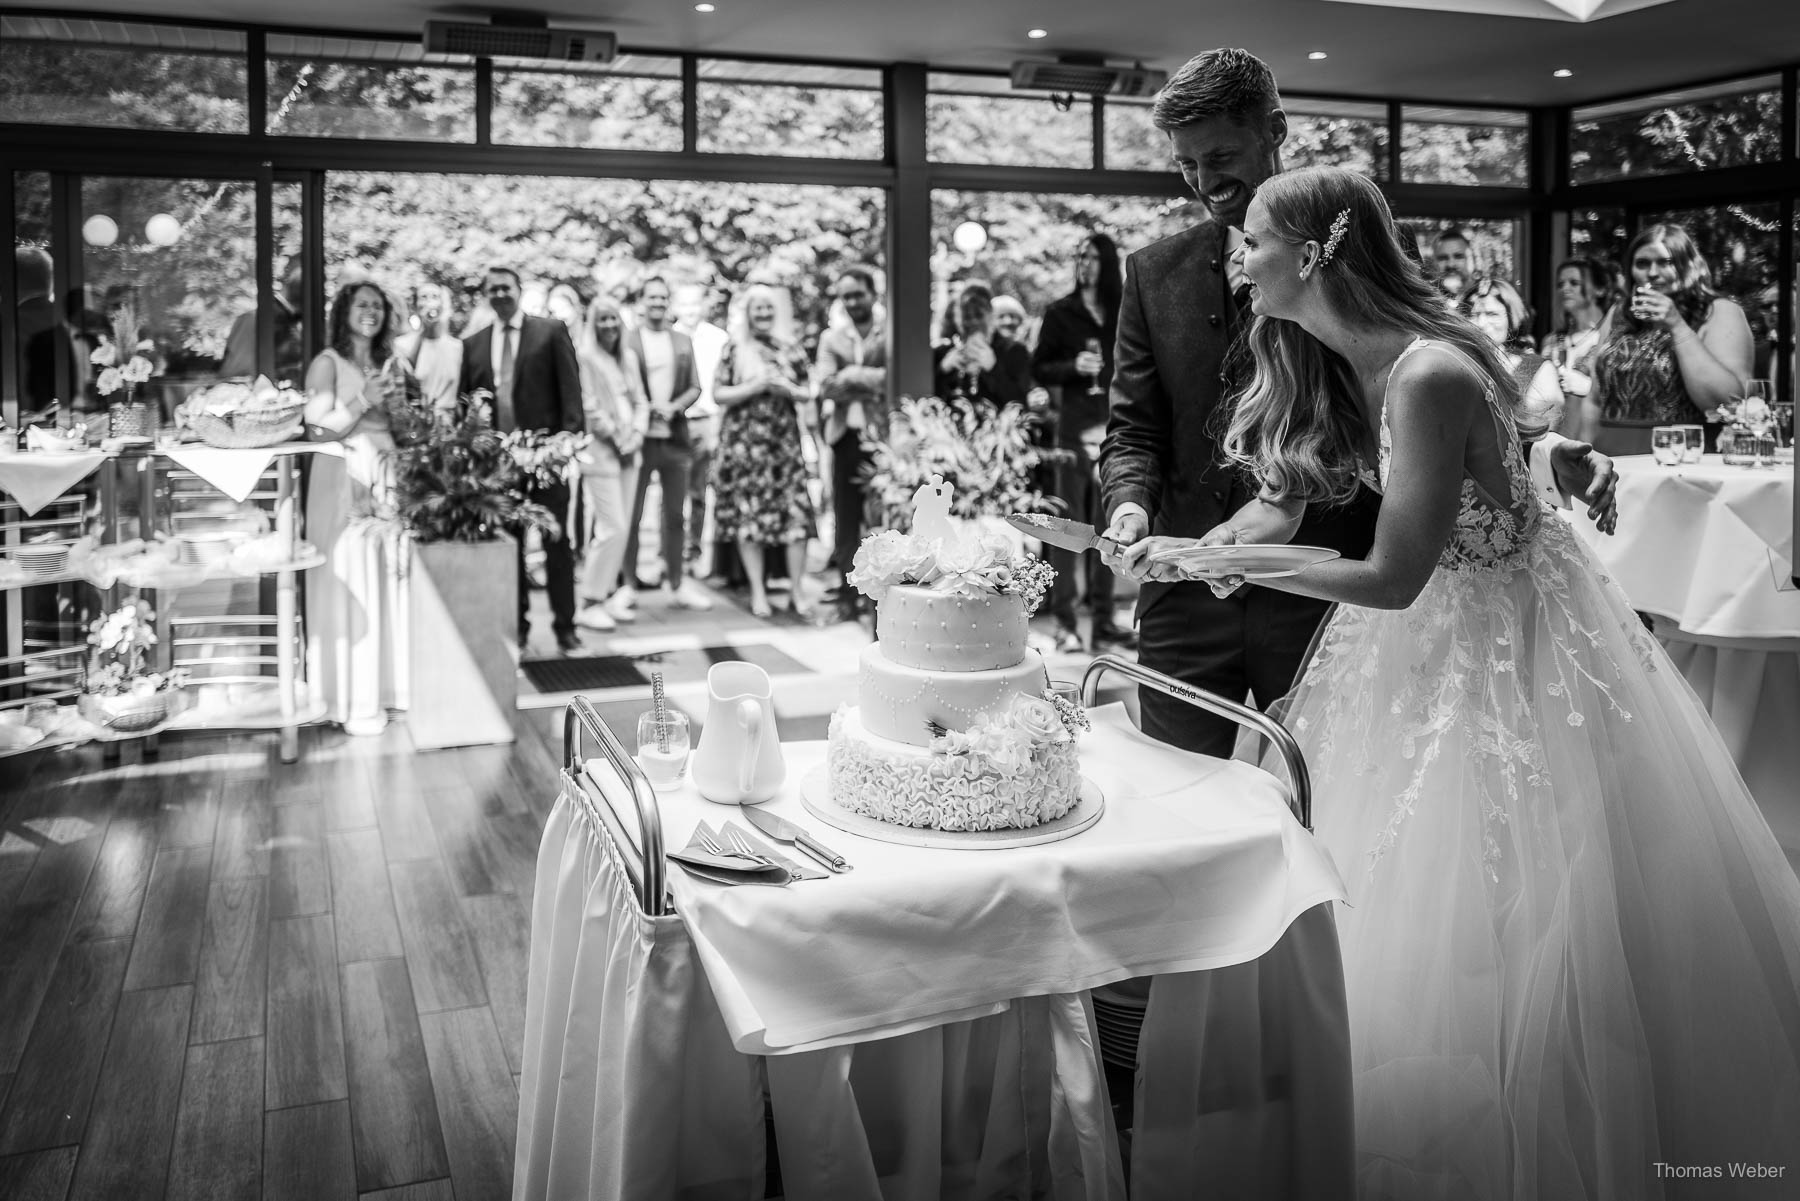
x: 1317, y: 55
x: 1037, y: 33
x: 703, y: 8
x: 1562, y: 72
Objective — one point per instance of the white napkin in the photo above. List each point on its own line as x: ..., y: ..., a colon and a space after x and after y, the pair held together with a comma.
x: 34, y: 479
x: 233, y: 472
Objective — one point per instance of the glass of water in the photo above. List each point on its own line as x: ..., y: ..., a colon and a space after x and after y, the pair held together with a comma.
x: 1668, y: 443
x: 1695, y: 436
x: 663, y: 746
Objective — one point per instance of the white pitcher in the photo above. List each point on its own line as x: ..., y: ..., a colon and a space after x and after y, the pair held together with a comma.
x: 738, y: 761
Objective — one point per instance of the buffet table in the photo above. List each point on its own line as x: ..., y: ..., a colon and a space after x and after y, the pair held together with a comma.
x: 920, y: 1023
x: 1708, y: 550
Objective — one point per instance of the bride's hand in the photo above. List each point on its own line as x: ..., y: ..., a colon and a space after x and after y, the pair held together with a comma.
x: 1136, y: 560
x: 1223, y: 534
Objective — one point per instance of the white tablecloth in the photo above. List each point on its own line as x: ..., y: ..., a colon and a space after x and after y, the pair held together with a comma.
x: 1708, y: 550
x: 1196, y: 864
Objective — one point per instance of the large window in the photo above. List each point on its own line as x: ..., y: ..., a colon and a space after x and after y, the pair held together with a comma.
x: 980, y: 119
x: 1493, y: 246
x: 1488, y: 147
x: 358, y: 88
x: 632, y: 103
x: 1695, y: 129
x: 1336, y: 133
x: 57, y: 71
x: 781, y: 108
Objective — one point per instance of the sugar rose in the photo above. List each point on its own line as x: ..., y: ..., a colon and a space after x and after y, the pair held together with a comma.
x: 1038, y: 718
x: 886, y: 559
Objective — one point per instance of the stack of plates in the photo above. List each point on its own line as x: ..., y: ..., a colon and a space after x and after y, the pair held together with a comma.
x: 1118, y: 1017
x: 42, y: 559
x: 211, y: 549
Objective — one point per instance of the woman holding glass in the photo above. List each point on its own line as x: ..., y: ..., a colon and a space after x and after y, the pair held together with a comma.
x: 760, y: 495
x: 618, y: 414
x: 1586, y: 290
x: 975, y: 364
x: 352, y: 604
x: 1671, y: 352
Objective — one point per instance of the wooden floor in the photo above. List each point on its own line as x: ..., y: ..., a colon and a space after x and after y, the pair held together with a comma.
x: 222, y: 977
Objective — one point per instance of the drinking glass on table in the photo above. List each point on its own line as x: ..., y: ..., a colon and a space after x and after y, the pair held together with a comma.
x: 1695, y: 436
x: 663, y: 746
x: 1668, y: 443
x: 1067, y: 690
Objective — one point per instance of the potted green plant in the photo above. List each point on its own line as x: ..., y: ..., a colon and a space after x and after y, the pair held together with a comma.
x: 121, y: 687
x: 460, y: 492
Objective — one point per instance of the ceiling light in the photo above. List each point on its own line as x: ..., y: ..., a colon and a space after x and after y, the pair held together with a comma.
x: 1317, y: 55
x: 703, y: 8
x: 1037, y: 33
x: 1562, y: 72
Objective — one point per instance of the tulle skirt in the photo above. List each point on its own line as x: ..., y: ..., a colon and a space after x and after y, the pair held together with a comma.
x: 1572, y: 949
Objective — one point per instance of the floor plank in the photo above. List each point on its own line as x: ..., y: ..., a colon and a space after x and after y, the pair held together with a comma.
x: 126, y: 1150
x: 241, y: 846
x: 342, y: 785
x: 500, y: 926
x: 306, y: 1154
x: 190, y: 811
x: 361, y: 900
x: 428, y: 1190
x: 515, y: 840
x: 445, y: 973
x: 468, y: 846
x: 405, y: 825
x: 219, y: 1129
x: 31, y: 938
x: 167, y: 947
x: 299, y: 883
x: 115, y: 888
x: 65, y: 863
x: 476, y: 1101
x: 38, y: 1176
x: 50, y: 1096
x: 393, y: 1113
x: 231, y: 988
x: 305, y: 1024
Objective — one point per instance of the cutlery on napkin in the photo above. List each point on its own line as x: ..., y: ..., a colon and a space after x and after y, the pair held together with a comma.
x: 800, y: 869
x: 722, y: 867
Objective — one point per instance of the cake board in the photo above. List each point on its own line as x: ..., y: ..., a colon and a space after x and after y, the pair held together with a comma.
x: 815, y: 794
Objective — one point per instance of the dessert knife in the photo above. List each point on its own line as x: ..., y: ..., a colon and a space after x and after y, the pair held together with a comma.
x: 783, y: 830
x: 1058, y: 531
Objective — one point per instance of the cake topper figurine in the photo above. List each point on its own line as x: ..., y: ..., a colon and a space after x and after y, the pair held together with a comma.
x: 931, y: 512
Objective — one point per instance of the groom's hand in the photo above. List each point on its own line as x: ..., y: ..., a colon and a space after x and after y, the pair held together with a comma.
x: 1585, y: 472
x: 1119, y: 539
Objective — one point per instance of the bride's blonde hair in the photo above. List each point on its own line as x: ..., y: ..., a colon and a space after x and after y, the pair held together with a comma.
x: 1298, y: 425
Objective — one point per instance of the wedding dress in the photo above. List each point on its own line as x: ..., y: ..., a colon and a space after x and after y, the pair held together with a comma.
x: 1572, y: 948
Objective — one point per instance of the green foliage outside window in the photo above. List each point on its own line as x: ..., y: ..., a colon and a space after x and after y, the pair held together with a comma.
x: 61, y: 83
x: 1702, y: 135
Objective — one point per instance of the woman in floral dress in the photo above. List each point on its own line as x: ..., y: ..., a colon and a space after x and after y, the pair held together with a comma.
x: 760, y: 474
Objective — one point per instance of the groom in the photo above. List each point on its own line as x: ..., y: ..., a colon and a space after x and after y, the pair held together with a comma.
x: 1161, y: 469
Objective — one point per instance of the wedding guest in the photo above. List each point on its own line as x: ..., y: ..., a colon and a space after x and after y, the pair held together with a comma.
x: 618, y: 413
x: 564, y: 304
x: 46, y: 339
x: 671, y: 378
x: 1074, y: 359
x: 1495, y: 308
x: 973, y: 365
x: 433, y: 353
x: 851, y: 375
x: 1009, y: 319
x: 761, y: 470
x: 1670, y: 353
x: 527, y: 364
x: 1454, y: 257
x: 1585, y: 288
x: 350, y: 386
x: 693, y: 306
x: 290, y: 332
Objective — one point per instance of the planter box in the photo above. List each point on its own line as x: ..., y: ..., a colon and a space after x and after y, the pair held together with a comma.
x: 463, y: 611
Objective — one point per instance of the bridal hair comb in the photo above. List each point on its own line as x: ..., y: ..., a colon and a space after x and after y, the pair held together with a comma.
x: 1339, y: 228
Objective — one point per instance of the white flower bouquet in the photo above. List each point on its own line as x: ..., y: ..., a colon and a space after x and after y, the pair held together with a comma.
x: 121, y: 690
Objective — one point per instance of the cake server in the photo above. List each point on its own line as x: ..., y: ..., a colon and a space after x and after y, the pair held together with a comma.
x: 1058, y: 531
x: 783, y: 830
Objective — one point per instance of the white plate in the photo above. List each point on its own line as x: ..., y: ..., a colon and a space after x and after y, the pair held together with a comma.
x: 815, y: 794
x: 1253, y: 561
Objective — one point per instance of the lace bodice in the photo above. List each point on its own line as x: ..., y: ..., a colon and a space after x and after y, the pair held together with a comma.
x: 1490, y: 532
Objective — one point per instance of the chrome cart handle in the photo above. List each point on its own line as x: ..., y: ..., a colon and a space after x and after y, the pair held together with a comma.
x: 1299, y: 782
x: 580, y: 716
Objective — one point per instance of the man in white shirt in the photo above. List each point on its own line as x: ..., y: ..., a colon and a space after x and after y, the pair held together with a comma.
x: 435, y: 356
x: 692, y: 304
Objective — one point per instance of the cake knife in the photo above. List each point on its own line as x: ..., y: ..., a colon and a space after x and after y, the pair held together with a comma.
x: 1058, y: 531
x: 783, y: 830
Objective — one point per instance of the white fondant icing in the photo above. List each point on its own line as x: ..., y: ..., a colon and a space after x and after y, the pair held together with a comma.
x: 940, y: 631
x: 898, y: 701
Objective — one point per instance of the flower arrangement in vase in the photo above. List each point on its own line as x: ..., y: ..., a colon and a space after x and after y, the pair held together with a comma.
x: 124, y: 369
x: 121, y: 690
x: 988, y: 457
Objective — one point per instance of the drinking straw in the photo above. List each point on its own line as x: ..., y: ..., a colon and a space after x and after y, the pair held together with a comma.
x: 661, y: 710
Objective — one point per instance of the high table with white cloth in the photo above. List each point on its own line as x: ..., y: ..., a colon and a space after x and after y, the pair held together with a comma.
x: 1708, y: 550
x: 920, y: 1023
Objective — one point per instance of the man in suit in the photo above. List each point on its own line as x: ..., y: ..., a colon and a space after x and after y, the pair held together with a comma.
x: 528, y: 365
x: 671, y: 376
x: 1161, y: 468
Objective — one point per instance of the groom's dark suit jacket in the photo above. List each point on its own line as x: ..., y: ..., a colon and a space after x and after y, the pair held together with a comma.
x: 1177, y: 322
x: 546, y: 380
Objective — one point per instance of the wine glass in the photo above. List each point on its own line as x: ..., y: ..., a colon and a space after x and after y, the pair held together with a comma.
x: 1668, y: 443
x: 1695, y: 448
x: 1092, y: 346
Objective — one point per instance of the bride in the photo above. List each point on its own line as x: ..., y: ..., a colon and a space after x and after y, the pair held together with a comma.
x: 1572, y: 950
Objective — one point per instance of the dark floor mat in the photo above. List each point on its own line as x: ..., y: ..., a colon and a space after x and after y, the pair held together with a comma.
x: 583, y: 675
x: 677, y: 667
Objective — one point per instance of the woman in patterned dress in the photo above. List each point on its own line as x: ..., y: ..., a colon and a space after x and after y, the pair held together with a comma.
x: 1671, y: 353
x: 760, y: 474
